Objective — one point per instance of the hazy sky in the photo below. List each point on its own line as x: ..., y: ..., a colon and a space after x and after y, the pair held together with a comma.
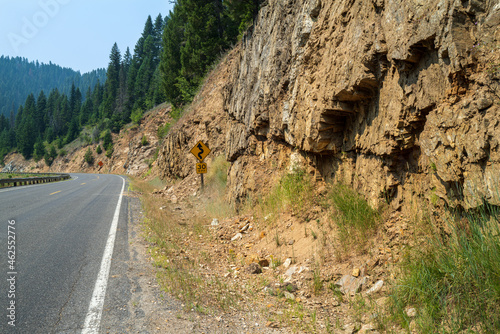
x: 74, y: 33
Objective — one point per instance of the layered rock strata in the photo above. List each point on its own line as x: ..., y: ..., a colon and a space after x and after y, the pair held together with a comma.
x: 394, y: 97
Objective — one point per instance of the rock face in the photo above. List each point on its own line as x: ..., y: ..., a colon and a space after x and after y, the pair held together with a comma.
x: 393, y: 97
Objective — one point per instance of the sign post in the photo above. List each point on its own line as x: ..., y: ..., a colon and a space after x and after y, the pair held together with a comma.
x: 200, y: 151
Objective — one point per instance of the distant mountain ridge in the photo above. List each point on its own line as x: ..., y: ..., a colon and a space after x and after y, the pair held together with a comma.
x: 19, y: 77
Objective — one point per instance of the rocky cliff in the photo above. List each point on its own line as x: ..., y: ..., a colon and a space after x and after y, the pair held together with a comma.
x: 396, y: 98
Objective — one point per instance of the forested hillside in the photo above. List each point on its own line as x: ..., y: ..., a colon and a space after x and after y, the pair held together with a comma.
x: 169, y: 62
x: 195, y: 36
x: 19, y: 77
x: 53, y: 118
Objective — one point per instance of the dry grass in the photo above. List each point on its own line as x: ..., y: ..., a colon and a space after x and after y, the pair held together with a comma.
x: 174, y: 252
x: 214, y: 202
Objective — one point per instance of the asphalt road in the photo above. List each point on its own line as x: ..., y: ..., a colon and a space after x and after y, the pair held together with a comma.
x: 61, y: 230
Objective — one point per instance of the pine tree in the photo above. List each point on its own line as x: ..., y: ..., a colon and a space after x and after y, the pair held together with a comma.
x: 145, y: 75
x: 39, y: 150
x: 87, y: 108
x: 73, y: 131
x: 203, y: 40
x: 112, y: 83
x: 139, y: 51
x: 122, y: 97
x: 170, y: 65
x: 158, y: 32
x: 4, y: 123
x: 242, y: 13
x: 24, y: 137
x: 5, y: 144
x: 41, y: 113
x: 63, y: 114
x: 97, y: 96
x: 127, y: 61
x: 75, y: 101
x: 55, y: 119
x: 50, y: 156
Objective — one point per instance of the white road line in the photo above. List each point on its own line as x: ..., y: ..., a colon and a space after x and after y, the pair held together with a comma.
x: 93, y: 318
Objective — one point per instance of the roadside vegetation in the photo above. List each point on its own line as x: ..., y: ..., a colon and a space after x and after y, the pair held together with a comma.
x: 20, y: 175
x: 178, y: 243
x: 447, y: 281
x: 293, y: 191
x: 356, y: 221
x: 180, y: 265
x: 453, y: 280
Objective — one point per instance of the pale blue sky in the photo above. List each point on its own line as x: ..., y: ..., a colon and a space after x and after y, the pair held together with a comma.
x: 74, y: 33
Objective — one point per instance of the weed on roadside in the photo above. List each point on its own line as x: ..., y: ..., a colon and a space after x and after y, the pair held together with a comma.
x: 355, y: 219
x: 294, y: 192
x: 178, y: 270
x: 453, y: 281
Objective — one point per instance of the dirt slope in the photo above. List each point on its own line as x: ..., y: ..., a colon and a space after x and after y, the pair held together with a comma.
x: 398, y: 99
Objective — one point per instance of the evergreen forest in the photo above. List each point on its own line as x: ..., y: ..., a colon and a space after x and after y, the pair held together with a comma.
x: 168, y: 64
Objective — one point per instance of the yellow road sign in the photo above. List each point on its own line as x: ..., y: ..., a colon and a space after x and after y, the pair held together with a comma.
x: 201, y: 167
x: 200, y: 151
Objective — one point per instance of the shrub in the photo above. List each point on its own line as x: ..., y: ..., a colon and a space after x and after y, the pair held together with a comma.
x: 109, y: 152
x: 136, y: 115
x: 89, y: 158
x: 217, y: 173
x: 39, y: 151
x: 50, y: 156
x: 144, y: 141
x: 163, y: 131
x: 215, y: 183
x: 176, y: 112
x: 107, y: 139
x: 59, y: 143
x: 98, y: 149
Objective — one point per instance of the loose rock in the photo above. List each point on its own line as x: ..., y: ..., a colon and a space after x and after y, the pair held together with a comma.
x: 237, y: 237
x: 411, y: 312
x: 254, y: 268
x: 350, y: 285
x: 376, y: 287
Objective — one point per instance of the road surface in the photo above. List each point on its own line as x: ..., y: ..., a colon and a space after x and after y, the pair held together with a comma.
x: 59, y: 232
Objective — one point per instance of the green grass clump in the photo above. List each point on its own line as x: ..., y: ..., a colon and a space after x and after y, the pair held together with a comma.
x: 294, y: 191
x: 454, y: 282
x: 163, y: 130
x: 355, y: 218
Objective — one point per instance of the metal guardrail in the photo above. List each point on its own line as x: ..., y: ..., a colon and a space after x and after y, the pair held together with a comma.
x: 32, y: 180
